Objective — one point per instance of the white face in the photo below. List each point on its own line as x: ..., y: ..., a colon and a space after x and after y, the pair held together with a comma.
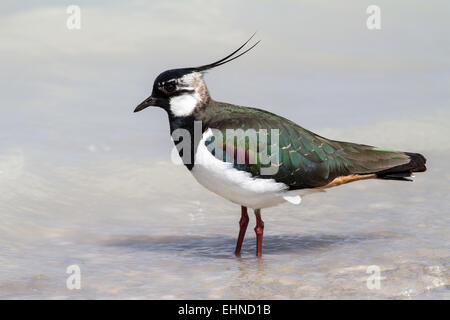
x: 184, y: 104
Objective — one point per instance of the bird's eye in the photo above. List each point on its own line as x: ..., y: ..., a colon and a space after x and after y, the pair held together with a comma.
x: 170, y: 87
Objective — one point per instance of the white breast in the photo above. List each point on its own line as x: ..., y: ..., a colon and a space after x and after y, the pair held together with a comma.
x: 237, y: 186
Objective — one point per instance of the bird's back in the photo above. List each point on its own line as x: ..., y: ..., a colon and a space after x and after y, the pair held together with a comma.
x: 306, y: 160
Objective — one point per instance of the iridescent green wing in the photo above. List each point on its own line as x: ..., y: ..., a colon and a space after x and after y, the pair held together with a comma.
x: 302, y: 158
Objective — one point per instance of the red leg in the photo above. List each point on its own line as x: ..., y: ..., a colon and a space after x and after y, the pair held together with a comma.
x: 259, y: 230
x: 243, y: 223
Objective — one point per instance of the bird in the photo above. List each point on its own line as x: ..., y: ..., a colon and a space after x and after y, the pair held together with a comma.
x: 236, y: 166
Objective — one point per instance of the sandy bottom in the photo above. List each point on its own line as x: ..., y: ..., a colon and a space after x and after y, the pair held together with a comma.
x: 146, y: 229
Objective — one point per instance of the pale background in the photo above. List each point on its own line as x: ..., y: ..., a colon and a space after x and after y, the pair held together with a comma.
x: 85, y: 181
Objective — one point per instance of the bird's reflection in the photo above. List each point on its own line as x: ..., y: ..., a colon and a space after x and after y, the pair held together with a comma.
x: 222, y: 246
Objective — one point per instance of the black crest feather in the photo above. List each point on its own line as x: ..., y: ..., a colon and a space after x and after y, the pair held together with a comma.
x: 229, y: 57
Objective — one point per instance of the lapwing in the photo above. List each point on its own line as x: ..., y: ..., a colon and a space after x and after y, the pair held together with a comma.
x: 301, y: 161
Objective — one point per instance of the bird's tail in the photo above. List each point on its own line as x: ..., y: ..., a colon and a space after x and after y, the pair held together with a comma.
x: 383, y: 163
x: 402, y: 172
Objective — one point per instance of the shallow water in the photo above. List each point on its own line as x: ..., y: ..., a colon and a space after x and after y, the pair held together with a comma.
x: 143, y: 228
x: 84, y: 181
